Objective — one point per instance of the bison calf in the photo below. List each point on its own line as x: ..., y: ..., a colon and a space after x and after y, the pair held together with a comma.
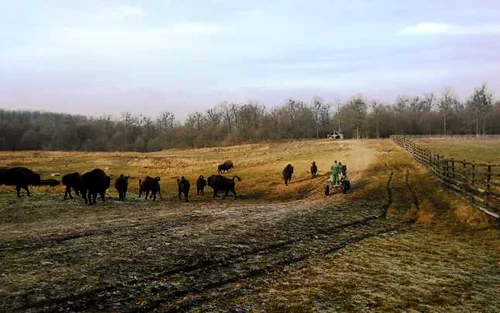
x: 121, y: 185
x: 73, y: 180
x: 183, y: 186
x: 20, y: 177
x: 221, y: 183
x: 200, y: 185
x: 226, y: 166
x: 287, y: 173
x: 314, y: 169
x: 150, y: 184
x: 93, y: 183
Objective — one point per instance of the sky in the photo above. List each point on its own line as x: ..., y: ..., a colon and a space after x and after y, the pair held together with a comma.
x: 97, y: 57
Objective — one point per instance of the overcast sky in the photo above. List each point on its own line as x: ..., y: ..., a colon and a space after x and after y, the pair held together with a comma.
x: 108, y: 57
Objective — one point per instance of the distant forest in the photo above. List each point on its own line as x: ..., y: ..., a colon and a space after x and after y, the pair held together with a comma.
x: 231, y: 123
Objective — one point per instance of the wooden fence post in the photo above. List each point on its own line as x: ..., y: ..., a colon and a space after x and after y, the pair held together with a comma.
x: 442, y: 168
x: 488, y: 188
x: 473, y: 174
x: 453, y: 169
x: 473, y: 181
x: 436, y: 164
x: 447, y: 172
x: 465, y: 179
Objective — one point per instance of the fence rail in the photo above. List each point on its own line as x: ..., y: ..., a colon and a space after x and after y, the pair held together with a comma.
x: 465, y: 137
x: 477, y: 183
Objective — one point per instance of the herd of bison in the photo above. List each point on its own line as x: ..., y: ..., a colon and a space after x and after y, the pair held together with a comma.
x: 95, y: 182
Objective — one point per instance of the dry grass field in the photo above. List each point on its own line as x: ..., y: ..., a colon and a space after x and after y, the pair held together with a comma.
x: 482, y: 150
x: 396, y: 242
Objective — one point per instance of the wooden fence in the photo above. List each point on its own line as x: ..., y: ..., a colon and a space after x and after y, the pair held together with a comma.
x: 464, y: 137
x: 477, y: 183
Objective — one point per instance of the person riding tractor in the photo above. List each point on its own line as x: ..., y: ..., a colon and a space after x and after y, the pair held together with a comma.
x: 334, y: 176
x: 338, y: 178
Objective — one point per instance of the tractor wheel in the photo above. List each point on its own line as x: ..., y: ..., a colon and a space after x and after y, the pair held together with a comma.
x: 345, y: 186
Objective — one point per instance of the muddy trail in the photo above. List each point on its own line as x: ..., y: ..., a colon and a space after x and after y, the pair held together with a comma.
x: 182, y: 262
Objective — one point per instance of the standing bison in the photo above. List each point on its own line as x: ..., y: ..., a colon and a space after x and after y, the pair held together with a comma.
x: 314, y: 169
x: 201, y: 182
x: 121, y: 185
x: 183, y: 185
x: 93, y: 183
x: 225, y: 167
x: 150, y: 184
x: 221, y: 183
x: 20, y: 177
x: 73, y: 180
x: 287, y: 173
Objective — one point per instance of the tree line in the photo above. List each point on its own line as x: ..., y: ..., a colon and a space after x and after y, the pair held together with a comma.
x: 231, y: 123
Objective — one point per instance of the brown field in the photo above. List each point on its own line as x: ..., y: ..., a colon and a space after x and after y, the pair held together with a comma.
x: 473, y: 150
x: 396, y: 242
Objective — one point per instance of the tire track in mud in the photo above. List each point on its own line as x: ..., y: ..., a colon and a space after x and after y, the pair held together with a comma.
x: 222, y: 270
x: 407, y: 185
x: 91, y: 296
x: 174, y: 297
x: 52, y: 240
x: 388, y: 187
x: 410, y: 189
x: 205, y: 293
x: 389, y: 195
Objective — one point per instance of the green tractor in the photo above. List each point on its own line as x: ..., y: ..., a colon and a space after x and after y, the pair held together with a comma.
x: 343, y: 183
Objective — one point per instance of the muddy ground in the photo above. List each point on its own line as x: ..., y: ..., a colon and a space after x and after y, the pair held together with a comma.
x: 392, y: 243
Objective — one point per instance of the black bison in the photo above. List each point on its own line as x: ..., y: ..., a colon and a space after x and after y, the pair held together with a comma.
x: 183, y: 185
x: 221, y: 183
x: 150, y: 184
x: 121, y: 185
x: 20, y: 177
x: 73, y: 180
x: 287, y: 173
x: 225, y: 167
x: 201, y: 182
x: 314, y: 169
x: 93, y: 183
x: 50, y: 182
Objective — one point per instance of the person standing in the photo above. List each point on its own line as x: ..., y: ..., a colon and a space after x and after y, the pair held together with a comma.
x: 339, y: 171
x: 334, y: 173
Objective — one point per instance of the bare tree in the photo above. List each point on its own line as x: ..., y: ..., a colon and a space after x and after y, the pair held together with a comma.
x: 127, y: 117
x: 166, y: 120
x: 354, y: 114
x: 446, y: 103
x: 376, y: 115
x: 481, y: 103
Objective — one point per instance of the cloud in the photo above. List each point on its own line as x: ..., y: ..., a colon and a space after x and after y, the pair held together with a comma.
x: 448, y: 29
x: 128, y: 11
x: 194, y: 29
x: 142, y: 38
x: 257, y: 13
x: 120, y: 12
